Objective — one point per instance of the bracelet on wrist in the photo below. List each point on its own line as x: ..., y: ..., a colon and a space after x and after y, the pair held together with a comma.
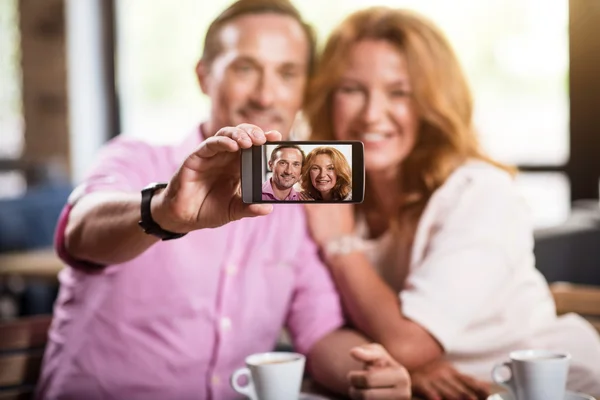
x: 342, y: 245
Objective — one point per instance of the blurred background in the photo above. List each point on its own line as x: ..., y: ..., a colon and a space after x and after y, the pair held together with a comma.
x: 75, y: 73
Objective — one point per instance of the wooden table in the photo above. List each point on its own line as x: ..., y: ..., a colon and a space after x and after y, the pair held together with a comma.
x: 309, y: 386
x: 43, y: 263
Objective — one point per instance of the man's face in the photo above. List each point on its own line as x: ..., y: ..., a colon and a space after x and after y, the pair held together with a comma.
x: 260, y: 75
x: 286, y: 168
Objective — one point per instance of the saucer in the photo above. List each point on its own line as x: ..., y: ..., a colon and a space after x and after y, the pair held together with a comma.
x: 568, y: 396
x: 311, y: 396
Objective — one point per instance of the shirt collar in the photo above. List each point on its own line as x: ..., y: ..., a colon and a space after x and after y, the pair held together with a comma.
x: 189, y: 143
x: 267, y: 187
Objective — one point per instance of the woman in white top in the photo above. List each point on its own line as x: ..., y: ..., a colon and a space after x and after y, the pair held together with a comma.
x: 438, y: 261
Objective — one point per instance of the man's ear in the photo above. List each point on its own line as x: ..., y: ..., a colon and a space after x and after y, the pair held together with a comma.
x: 202, y: 73
x: 271, y: 165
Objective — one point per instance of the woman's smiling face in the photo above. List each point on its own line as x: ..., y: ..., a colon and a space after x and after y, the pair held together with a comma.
x: 322, y: 173
x: 373, y: 103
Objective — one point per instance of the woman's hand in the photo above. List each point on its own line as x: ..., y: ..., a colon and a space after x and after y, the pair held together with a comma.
x: 381, y: 378
x: 329, y: 221
x: 439, y: 380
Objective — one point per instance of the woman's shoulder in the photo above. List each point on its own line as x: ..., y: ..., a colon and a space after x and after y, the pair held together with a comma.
x: 478, y: 176
x: 475, y: 184
x: 479, y: 171
x: 480, y: 199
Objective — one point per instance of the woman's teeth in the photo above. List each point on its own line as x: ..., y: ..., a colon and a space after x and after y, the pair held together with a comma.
x: 373, y: 137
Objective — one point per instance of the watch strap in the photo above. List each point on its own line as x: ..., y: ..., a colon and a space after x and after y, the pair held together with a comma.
x: 147, y: 223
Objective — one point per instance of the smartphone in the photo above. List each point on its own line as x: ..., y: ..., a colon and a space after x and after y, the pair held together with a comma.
x: 304, y: 172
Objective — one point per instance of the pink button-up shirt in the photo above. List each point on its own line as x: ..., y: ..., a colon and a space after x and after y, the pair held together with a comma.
x: 176, y: 321
x: 268, y: 194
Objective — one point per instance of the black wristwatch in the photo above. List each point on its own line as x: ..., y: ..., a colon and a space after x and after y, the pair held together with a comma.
x: 147, y: 223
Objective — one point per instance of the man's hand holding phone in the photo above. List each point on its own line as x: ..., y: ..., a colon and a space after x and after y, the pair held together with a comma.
x: 205, y: 191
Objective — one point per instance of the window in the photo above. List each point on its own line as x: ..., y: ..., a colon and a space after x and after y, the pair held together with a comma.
x: 515, y: 57
x: 11, y: 115
x: 11, y: 121
x: 158, y: 46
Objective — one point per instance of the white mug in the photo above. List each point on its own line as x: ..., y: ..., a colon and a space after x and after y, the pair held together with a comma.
x: 535, y: 374
x: 271, y: 376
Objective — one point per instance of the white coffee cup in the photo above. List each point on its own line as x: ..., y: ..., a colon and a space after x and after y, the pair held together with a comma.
x: 535, y: 374
x: 271, y: 376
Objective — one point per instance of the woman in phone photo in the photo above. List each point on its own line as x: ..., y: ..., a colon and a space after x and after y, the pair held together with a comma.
x: 437, y: 262
x: 326, y: 176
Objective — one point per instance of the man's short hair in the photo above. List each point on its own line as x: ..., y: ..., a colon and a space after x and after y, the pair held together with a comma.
x: 286, y: 146
x: 212, y: 41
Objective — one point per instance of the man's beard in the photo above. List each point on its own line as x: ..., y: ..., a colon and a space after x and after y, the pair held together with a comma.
x: 284, y: 185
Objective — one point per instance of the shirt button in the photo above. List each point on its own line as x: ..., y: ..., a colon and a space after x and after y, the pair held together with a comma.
x: 215, y: 380
x: 231, y: 269
x: 225, y: 324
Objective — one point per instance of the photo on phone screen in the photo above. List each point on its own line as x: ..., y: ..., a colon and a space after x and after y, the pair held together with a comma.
x: 303, y: 172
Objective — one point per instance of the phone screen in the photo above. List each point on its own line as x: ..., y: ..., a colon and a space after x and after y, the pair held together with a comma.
x: 303, y: 172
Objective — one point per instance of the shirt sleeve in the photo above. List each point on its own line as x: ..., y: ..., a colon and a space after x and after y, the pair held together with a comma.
x: 122, y: 165
x: 315, y: 309
x: 482, y: 235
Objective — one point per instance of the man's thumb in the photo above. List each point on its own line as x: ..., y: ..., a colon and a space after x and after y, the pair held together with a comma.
x: 241, y: 210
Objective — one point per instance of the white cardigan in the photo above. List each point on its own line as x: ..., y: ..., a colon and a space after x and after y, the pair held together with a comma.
x: 472, y: 281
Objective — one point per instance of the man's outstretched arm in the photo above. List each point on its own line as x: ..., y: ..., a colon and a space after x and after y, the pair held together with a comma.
x: 103, y: 226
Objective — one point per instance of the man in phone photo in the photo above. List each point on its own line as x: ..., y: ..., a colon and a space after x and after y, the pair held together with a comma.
x: 286, y: 163
x: 169, y: 285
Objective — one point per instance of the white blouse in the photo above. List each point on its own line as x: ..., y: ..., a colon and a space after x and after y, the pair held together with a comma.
x: 472, y: 281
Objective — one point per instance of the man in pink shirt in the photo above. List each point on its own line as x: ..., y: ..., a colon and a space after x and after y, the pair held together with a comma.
x: 286, y: 163
x: 138, y: 317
